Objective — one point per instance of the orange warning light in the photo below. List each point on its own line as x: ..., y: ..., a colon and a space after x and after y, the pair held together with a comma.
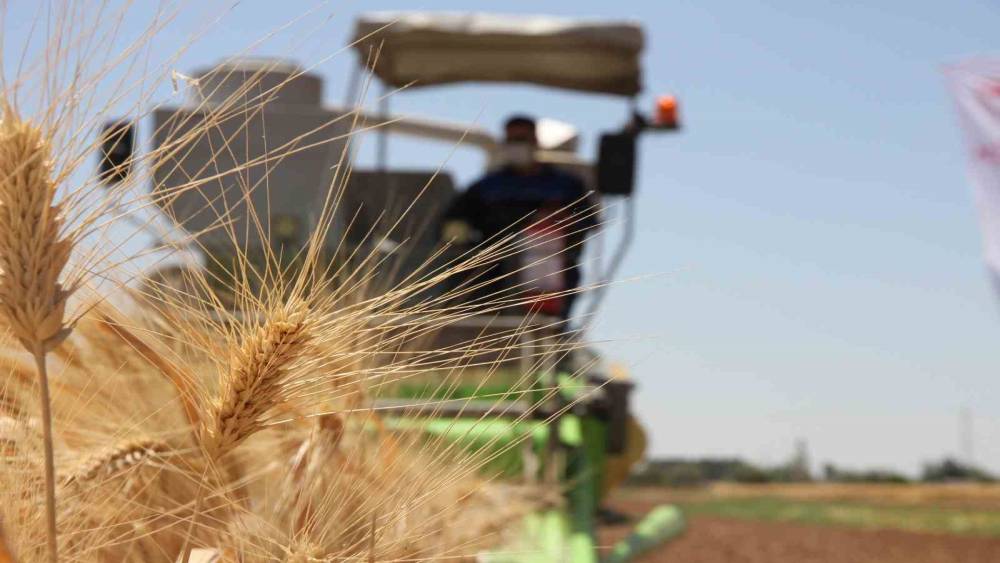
x: 666, y: 111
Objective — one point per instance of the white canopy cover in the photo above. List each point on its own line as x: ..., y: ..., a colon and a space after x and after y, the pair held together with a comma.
x: 428, y: 48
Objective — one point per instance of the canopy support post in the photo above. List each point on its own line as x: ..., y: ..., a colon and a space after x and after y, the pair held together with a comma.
x: 382, y: 142
x: 624, y: 245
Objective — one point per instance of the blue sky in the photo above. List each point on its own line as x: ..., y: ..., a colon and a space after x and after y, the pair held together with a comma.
x: 808, y: 244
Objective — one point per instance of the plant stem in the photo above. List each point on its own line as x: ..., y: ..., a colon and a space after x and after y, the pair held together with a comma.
x: 50, y: 467
x: 186, y: 546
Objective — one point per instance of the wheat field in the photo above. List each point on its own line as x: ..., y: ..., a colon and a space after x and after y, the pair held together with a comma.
x: 222, y: 416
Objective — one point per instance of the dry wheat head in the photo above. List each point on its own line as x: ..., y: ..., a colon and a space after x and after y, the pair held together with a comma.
x: 257, y: 372
x: 32, y: 254
x: 116, y: 461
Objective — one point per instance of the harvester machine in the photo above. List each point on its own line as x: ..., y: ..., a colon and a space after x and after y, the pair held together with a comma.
x: 578, y: 441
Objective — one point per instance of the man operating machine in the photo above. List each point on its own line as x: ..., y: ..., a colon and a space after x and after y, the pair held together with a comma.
x: 550, y: 209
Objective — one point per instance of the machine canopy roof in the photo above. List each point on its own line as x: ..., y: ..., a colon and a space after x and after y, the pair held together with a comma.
x: 425, y: 48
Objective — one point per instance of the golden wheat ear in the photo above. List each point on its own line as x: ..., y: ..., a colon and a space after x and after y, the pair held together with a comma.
x: 115, y: 461
x: 33, y: 254
x: 254, y: 383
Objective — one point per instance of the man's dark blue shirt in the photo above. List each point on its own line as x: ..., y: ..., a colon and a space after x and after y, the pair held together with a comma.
x: 506, y: 198
x: 505, y: 201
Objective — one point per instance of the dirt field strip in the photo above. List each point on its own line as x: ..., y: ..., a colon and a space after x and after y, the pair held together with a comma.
x: 718, y: 540
x: 712, y: 539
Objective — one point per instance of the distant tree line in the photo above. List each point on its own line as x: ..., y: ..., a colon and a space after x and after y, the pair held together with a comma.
x: 684, y: 472
x: 679, y: 472
x: 949, y: 469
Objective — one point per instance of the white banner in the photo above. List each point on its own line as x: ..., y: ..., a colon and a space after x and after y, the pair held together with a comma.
x: 975, y: 85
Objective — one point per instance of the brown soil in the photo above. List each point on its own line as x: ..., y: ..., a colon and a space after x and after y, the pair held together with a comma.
x: 714, y: 540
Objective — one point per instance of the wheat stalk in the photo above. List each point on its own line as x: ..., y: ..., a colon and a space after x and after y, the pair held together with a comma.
x: 181, y: 380
x: 33, y: 255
